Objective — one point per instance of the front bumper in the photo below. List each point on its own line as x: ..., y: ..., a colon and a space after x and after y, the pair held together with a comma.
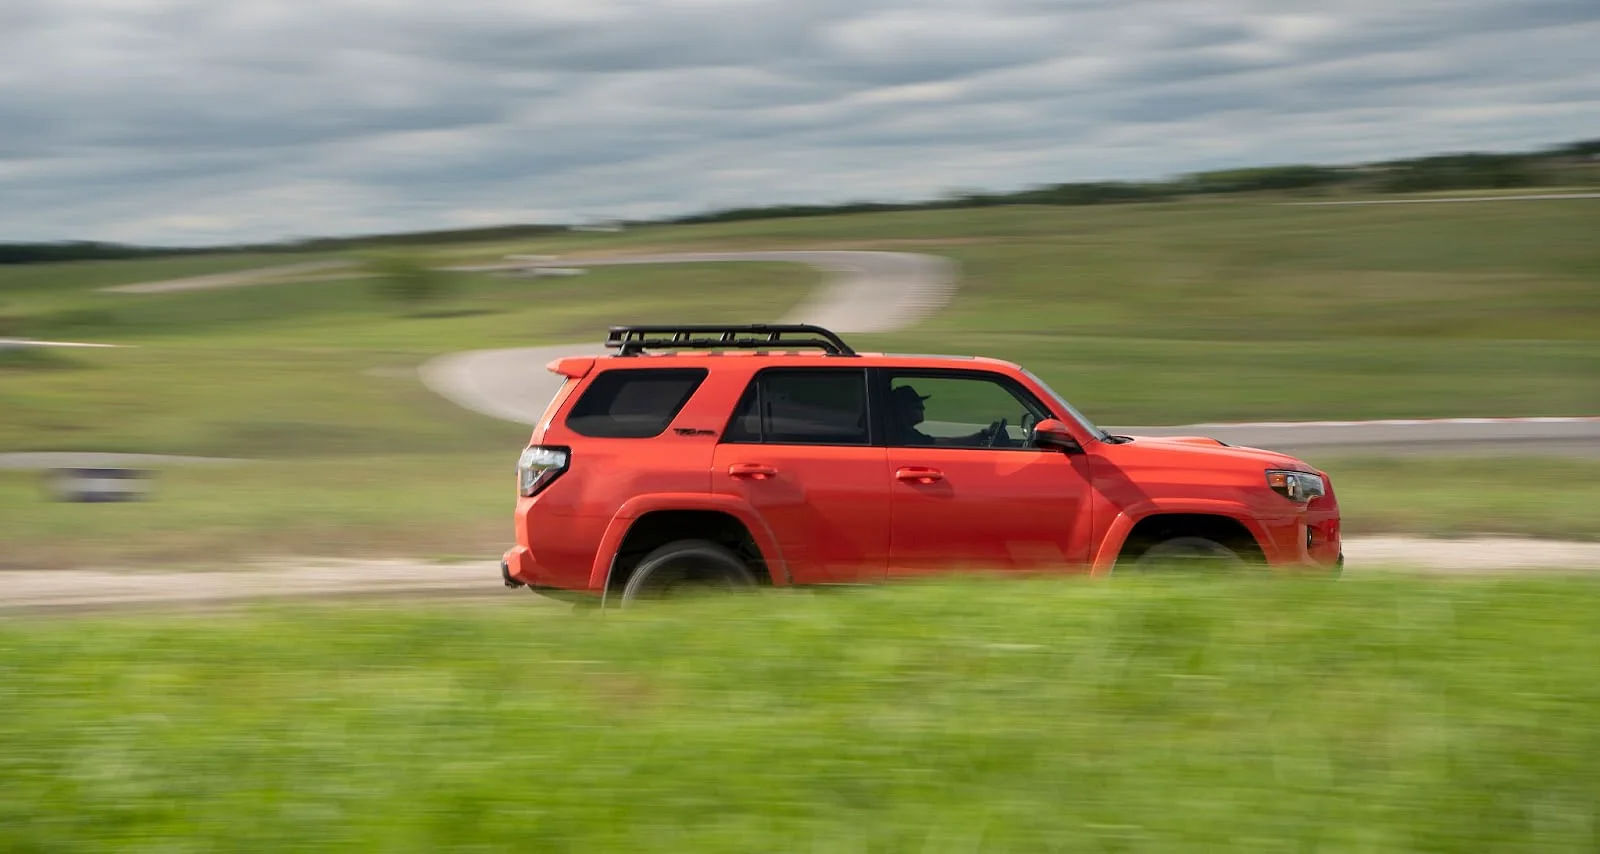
x: 505, y: 576
x: 517, y: 568
x: 1323, y: 543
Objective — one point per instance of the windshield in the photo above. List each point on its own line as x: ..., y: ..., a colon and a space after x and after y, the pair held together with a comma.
x: 1062, y: 405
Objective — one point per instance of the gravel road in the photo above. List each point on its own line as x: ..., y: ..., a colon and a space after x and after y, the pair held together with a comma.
x: 236, y: 279
x: 40, y: 460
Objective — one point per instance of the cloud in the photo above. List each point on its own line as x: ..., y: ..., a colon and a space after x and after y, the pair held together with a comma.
x: 178, y: 121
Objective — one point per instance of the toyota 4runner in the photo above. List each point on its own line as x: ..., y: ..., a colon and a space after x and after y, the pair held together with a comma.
x: 731, y: 456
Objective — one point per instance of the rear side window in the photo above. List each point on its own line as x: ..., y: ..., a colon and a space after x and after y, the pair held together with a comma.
x: 823, y: 407
x: 633, y: 404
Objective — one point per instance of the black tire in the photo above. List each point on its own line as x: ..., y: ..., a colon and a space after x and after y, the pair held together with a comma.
x: 686, y: 567
x: 1189, y: 554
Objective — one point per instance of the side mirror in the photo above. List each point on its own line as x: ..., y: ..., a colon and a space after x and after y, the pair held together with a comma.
x: 1051, y: 433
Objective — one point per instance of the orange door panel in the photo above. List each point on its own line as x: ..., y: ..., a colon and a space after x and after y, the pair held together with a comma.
x: 966, y: 508
x: 827, y: 506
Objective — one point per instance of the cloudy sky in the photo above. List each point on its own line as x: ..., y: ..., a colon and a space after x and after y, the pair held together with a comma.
x: 200, y: 121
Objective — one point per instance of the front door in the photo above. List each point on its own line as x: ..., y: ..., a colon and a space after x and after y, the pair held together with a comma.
x: 799, y: 450
x: 967, y: 489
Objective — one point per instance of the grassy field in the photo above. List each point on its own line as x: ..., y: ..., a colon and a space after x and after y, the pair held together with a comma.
x: 1140, y: 314
x: 1380, y: 714
x: 1212, y: 310
x: 318, y: 368
x: 444, y: 505
x: 1469, y: 496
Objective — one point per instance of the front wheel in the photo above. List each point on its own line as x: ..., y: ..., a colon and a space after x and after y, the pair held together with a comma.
x: 686, y: 567
x: 1190, y: 553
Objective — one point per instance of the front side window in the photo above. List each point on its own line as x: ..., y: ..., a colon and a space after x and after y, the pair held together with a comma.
x: 803, y: 407
x: 974, y: 411
x: 633, y: 403
x: 1067, y: 408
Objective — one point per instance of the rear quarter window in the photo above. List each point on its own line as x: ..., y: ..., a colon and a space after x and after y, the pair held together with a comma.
x: 633, y: 403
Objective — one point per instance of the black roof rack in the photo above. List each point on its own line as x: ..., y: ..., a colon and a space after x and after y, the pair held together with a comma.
x: 632, y: 340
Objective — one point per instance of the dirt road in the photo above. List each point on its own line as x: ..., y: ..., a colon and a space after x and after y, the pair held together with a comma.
x: 236, y: 279
x: 35, y: 591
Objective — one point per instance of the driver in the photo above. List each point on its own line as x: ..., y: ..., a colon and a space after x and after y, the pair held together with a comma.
x: 908, y: 404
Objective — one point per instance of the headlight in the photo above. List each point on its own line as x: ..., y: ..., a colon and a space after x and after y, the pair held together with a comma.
x: 1296, y: 485
x: 538, y: 466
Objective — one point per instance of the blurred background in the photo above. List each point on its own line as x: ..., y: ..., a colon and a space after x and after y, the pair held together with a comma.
x: 232, y: 233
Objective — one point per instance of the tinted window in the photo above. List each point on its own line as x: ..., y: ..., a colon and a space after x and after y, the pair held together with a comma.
x: 745, y: 425
x: 802, y: 408
x: 633, y: 404
x: 973, y: 411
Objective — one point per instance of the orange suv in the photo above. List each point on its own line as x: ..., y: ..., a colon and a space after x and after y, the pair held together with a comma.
x: 732, y: 456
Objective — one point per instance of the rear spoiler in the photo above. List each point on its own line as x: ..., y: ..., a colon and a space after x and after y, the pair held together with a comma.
x: 574, y: 367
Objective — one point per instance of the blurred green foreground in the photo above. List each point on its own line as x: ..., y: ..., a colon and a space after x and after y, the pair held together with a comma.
x: 1370, y: 714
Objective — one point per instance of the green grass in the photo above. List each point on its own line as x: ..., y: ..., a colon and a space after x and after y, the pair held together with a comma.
x: 427, y: 505
x: 1173, y: 315
x: 1241, y: 309
x: 1239, y: 234
x: 45, y: 279
x: 1377, y: 714
x: 1527, y: 496
x: 328, y: 368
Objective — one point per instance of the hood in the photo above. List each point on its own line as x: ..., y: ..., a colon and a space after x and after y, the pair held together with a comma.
x: 1216, y: 449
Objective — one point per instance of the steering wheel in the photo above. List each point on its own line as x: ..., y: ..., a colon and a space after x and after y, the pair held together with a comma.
x: 996, y: 430
x: 1027, y: 422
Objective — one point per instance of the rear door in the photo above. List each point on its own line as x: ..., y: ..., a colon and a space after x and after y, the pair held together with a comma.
x: 967, y: 489
x: 800, y: 449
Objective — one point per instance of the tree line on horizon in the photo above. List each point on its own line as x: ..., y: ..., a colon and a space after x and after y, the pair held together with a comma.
x: 1463, y: 171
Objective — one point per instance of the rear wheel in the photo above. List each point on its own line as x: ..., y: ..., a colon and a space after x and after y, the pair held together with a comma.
x: 684, y: 568
x: 1190, y: 554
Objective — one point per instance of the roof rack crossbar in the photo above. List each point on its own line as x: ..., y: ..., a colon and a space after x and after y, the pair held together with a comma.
x: 632, y: 340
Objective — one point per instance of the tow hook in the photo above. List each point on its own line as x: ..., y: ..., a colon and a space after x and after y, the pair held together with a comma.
x: 505, y: 575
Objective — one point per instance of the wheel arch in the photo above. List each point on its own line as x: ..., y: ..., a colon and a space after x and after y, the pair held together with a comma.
x: 1192, y: 517
x: 648, y: 520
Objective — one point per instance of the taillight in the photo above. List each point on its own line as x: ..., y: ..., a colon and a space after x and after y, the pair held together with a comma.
x: 538, y: 466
